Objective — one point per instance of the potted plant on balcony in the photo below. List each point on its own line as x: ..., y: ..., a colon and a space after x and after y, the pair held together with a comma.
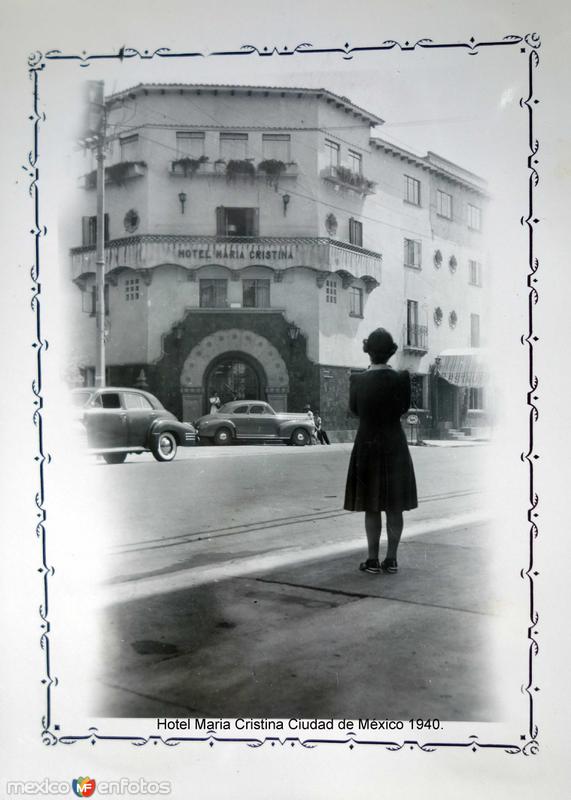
x: 273, y: 168
x: 189, y: 165
x: 240, y: 168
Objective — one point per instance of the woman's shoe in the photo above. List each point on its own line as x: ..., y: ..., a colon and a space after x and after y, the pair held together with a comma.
x: 371, y: 565
x: 390, y: 565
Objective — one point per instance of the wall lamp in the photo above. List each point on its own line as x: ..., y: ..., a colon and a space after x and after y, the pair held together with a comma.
x: 285, y: 200
x: 182, y: 200
x: 293, y: 332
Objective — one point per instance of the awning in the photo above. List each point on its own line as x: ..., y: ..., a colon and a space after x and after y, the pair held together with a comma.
x: 463, y: 367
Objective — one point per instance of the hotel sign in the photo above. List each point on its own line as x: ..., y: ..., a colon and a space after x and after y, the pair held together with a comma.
x: 238, y: 252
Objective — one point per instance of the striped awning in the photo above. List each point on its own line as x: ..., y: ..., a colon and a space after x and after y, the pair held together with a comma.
x: 465, y: 368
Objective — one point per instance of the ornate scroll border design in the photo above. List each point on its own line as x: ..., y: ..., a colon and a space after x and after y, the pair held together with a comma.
x: 37, y: 62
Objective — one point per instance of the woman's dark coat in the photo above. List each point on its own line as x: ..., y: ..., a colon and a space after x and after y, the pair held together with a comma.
x: 381, y: 474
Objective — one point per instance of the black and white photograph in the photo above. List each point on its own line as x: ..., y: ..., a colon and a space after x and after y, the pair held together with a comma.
x: 284, y: 396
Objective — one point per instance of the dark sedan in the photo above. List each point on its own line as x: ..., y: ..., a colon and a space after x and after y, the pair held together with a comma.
x: 120, y: 420
x: 249, y: 420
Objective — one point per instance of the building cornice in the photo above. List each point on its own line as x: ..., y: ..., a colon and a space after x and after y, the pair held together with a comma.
x: 436, y: 165
x: 342, y: 103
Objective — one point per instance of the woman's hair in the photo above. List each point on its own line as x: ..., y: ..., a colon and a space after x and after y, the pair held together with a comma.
x: 380, y: 346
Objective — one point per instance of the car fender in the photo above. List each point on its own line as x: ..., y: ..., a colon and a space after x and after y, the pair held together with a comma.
x: 288, y: 426
x: 208, y: 429
x: 179, y: 429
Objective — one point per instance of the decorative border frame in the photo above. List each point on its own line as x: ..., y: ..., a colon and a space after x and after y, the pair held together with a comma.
x: 529, y: 45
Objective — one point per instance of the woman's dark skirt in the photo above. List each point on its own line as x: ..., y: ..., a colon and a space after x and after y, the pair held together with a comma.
x: 381, y: 475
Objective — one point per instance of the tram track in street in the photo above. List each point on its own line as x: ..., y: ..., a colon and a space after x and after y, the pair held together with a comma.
x: 262, y: 525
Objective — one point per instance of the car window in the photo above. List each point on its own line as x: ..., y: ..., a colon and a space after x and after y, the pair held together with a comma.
x: 257, y: 410
x: 110, y: 400
x: 240, y: 410
x: 80, y: 398
x: 136, y: 401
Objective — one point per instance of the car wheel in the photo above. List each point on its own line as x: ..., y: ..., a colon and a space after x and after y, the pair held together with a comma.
x: 300, y: 437
x: 114, y: 458
x: 164, y: 447
x: 223, y: 436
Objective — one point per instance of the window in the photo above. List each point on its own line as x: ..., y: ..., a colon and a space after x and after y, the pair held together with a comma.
x: 476, y: 399
x: 276, y: 146
x: 356, y: 232
x: 129, y: 147
x: 411, y: 321
x: 132, y: 287
x: 412, y: 253
x: 355, y: 301
x: 475, y: 273
x: 412, y: 190
x: 474, y: 330
x: 93, y: 310
x: 213, y: 293
x: 355, y: 162
x: 332, y: 151
x: 474, y: 218
x: 237, y: 221
x: 189, y: 144
x: 110, y: 400
x: 89, y: 230
x: 136, y: 401
x: 258, y: 410
x: 417, y: 391
x: 444, y: 204
x: 256, y: 293
x: 330, y: 291
x: 233, y: 146
x: 240, y: 410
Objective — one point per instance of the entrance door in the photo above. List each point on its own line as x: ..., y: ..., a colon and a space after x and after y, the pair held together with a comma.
x: 234, y: 379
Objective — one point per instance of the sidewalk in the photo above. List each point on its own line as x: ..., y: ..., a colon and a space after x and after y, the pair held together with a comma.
x: 313, y: 638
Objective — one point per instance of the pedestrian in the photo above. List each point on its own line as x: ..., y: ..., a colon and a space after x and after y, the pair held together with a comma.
x: 214, y: 403
x: 311, y: 418
x: 319, y: 430
x: 381, y: 474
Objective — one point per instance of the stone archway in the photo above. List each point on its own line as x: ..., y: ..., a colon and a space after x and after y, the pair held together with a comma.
x: 234, y: 341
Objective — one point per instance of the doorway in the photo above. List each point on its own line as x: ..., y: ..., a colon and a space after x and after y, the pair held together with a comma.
x: 234, y: 377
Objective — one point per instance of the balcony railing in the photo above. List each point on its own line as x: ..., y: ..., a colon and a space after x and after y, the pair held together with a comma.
x: 116, y: 173
x: 235, y: 252
x: 415, y: 338
x: 343, y: 176
x: 194, y: 168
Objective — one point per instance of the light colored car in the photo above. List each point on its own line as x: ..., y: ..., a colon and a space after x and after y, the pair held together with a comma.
x: 119, y: 420
x: 253, y: 420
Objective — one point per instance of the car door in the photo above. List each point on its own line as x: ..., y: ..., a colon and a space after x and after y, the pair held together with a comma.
x: 241, y: 420
x: 263, y: 420
x: 140, y: 416
x: 106, y: 421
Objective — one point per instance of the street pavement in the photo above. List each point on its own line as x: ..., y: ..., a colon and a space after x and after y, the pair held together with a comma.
x: 232, y: 589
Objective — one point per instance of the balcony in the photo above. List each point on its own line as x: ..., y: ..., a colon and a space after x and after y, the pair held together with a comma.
x: 347, y: 179
x: 116, y: 174
x: 234, y: 252
x: 415, y: 338
x: 270, y: 170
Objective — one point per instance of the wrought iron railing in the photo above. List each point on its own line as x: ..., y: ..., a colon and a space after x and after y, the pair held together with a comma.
x: 415, y: 337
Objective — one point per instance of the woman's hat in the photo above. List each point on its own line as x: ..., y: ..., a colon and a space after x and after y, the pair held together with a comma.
x: 380, y: 342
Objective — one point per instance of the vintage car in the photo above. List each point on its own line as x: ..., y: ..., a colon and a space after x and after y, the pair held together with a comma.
x: 120, y: 420
x: 253, y: 420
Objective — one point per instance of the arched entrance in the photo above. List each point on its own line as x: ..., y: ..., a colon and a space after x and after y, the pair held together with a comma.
x: 247, y: 362
x: 234, y: 377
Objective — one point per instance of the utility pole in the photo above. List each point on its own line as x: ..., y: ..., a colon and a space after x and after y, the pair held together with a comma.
x: 100, y: 264
x: 93, y: 135
x: 99, y: 99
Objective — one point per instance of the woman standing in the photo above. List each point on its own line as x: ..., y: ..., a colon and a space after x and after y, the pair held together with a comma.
x: 381, y: 474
